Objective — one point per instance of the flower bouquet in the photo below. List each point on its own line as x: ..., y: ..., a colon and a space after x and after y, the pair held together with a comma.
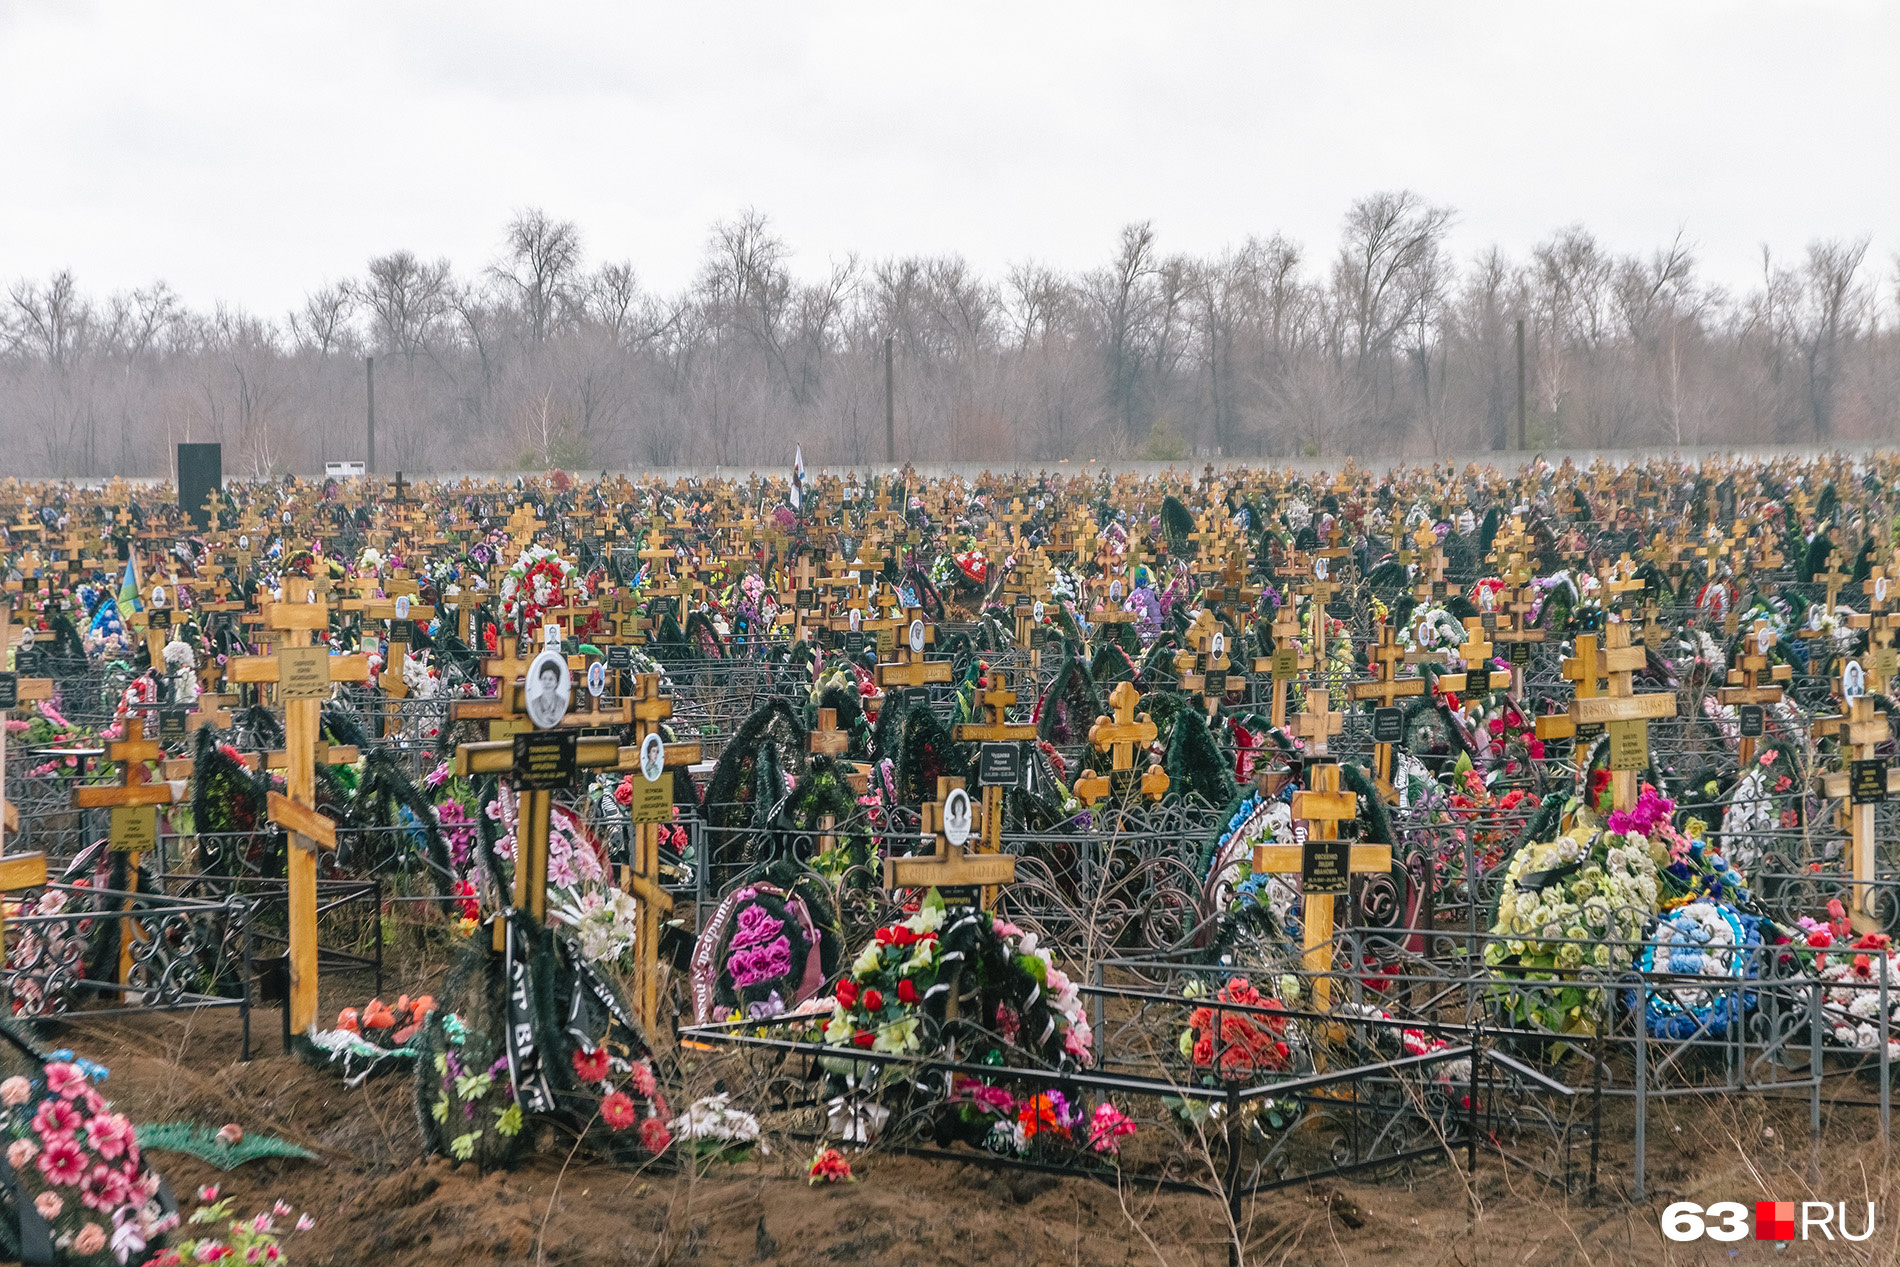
x: 1568, y: 902
x: 375, y: 1037
x: 712, y: 1130
x: 81, y: 1192
x: 1713, y: 943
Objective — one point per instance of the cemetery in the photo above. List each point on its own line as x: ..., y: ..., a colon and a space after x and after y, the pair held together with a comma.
x: 1222, y: 840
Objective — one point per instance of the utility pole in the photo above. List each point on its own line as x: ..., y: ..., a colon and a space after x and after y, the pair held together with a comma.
x: 1520, y: 383
x: 369, y: 366
x: 890, y: 405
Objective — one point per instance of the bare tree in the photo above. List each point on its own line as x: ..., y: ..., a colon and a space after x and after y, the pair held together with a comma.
x: 542, y: 270
x: 1830, y: 316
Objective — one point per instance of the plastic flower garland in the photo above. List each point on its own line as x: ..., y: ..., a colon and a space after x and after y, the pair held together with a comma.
x: 1258, y: 820
x: 904, y: 976
x: 1699, y: 939
x: 78, y: 1163
x: 763, y: 952
x: 531, y: 586
x: 1244, y: 1042
x: 1850, y: 996
x: 1564, y: 902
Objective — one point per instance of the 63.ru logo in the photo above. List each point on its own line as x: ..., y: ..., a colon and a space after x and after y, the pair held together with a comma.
x: 1774, y: 1221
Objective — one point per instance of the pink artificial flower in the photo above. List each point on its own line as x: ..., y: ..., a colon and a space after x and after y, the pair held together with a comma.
x: 64, y: 1080
x: 20, y: 1152
x: 305, y: 1222
x: 91, y: 1239
x: 104, y: 1189
x: 207, y: 1195
x: 49, y: 1205
x: 282, y: 1209
x: 63, y: 1163
x: 15, y: 1091
x: 110, y: 1135
x: 56, y: 1118
x: 618, y: 1111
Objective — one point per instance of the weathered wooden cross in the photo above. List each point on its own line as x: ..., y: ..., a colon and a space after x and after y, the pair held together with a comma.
x: 995, y: 701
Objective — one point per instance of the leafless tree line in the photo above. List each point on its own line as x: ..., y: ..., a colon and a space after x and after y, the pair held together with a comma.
x: 545, y: 359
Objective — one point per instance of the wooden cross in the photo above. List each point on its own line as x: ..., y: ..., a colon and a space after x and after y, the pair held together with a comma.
x: 905, y: 671
x: 1287, y: 651
x: 536, y: 805
x: 1861, y: 730
x: 1621, y: 707
x: 1833, y: 578
x: 948, y: 866
x: 1119, y: 737
x: 994, y: 701
x: 303, y: 675
x: 1385, y: 691
x: 1883, y: 664
x: 1753, y: 682
x: 650, y: 711
x: 1322, y: 806
x: 1432, y: 584
x: 18, y: 871
x: 1581, y: 668
x: 1318, y: 723
x: 1475, y: 651
x: 1202, y: 667
x: 133, y: 803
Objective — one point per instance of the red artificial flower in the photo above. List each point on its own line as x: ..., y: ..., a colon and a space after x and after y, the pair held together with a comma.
x: 654, y: 1135
x: 907, y: 991
x: 873, y: 1001
x: 591, y: 1066
x: 617, y: 1111
x: 830, y: 1166
x: 864, y: 1039
x: 847, y: 993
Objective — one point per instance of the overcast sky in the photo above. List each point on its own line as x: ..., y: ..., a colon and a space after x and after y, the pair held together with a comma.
x: 247, y: 152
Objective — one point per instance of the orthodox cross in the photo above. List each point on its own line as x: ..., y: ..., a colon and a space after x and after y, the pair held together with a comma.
x: 1475, y: 651
x: 1883, y: 663
x: 1623, y: 713
x: 303, y: 675
x: 947, y: 823
x: 1864, y: 779
x: 994, y: 701
x: 1119, y: 737
x: 1204, y: 668
x: 651, y: 710
x: 1385, y: 691
x: 1752, y: 683
x: 539, y: 763
x: 134, y: 805
x: 1324, y: 873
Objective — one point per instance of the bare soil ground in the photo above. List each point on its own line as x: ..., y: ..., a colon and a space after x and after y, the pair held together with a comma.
x: 377, y: 1200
